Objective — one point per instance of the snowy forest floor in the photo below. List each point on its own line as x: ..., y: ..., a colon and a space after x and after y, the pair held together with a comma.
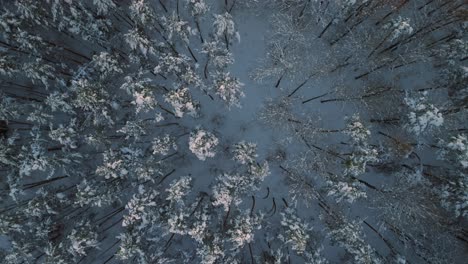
x: 362, y: 193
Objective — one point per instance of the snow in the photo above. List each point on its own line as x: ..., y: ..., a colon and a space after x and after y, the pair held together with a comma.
x: 202, y: 144
x: 423, y: 116
x: 401, y: 26
x: 290, y: 146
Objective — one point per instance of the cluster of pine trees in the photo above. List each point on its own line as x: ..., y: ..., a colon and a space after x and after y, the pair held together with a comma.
x: 101, y: 124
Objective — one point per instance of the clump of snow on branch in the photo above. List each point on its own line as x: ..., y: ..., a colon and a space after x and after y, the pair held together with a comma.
x: 315, y: 257
x: 175, y: 26
x: 162, y: 145
x: 219, y: 56
x: 349, y: 236
x: 242, y: 229
x: 203, y: 143
x: 400, y: 27
x: 141, y: 11
x: 259, y: 171
x: 422, y: 116
x: 130, y: 246
x: 245, y: 152
x: 138, y: 208
x: 179, y: 188
x: 8, y: 107
x: 357, y: 162
x: 82, y: 238
x: 454, y: 196
x: 180, y: 66
x: 224, y: 193
x: 58, y: 102
x: 231, y: 187
x: 209, y: 253
x: 362, y: 151
x: 65, y: 135
x: 224, y: 26
x: 356, y: 130
x: 119, y: 164
x: 144, y: 100
x: 106, y: 64
x: 33, y: 157
x: 198, y: 7
x: 229, y: 89
x: 182, y: 102
x: 137, y: 41
x: 456, y: 148
x: 103, y: 6
x: 88, y: 193
x: 133, y: 129
x: 296, y: 231
x: 345, y: 191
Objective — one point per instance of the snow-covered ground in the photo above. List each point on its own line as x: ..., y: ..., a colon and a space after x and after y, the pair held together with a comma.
x: 237, y: 131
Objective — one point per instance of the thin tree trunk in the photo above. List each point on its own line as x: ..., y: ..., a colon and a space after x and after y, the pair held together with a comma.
x: 273, y: 207
x: 386, y: 241
x: 381, y: 43
x: 326, y: 28
x: 253, y: 205
x: 226, y: 40
x: 302, y: 84
x: 232, y: 6
x: 226, y: 218
x: 385, y: 120
x: 166, y: 246
x: 205, y: 70
x: 250, y: 250
x: 39, y: 183
x: 197, y: 23
x: 315, y: 97
x: 191, y: 53
x: 163, y: 6
x: 279, y: 80
x: 167, y: 175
